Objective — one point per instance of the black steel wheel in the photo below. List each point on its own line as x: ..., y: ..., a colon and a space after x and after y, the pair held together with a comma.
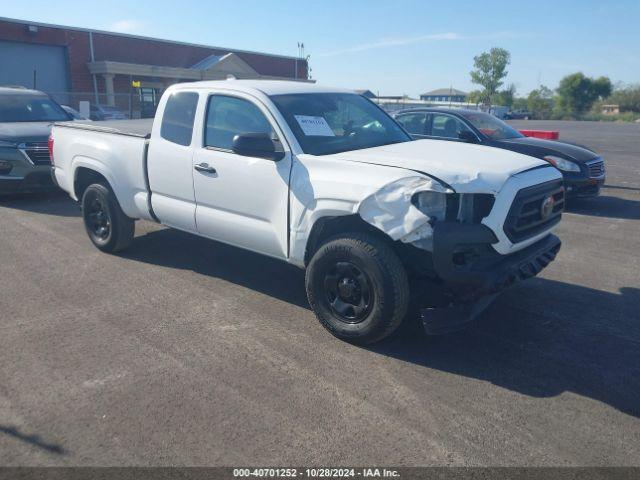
x: 99, y: 221
x: 106, y: 224
x: 357, y: 287
x: 349, y: 292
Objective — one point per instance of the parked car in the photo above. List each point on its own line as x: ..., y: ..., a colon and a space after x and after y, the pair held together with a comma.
x: 499, y: 111
x: 25, y: 122
x: 76, y: 115
x: 582, y: 169
x: 324, y: 179
x: 518, y: 115
x: 106, y: 112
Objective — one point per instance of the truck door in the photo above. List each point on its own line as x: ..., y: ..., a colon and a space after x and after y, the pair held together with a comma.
x: 169, y: 162
x: 240, y: 200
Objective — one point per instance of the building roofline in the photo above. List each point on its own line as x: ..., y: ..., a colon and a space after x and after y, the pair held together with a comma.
x: 438, y: 92
x: 141, y: 37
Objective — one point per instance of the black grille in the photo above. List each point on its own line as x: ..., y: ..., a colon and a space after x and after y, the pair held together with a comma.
x: 596, y: 169
x: 38, y: 152
x: 525, y: 218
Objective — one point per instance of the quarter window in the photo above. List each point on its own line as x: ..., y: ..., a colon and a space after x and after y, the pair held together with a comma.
x: 178, y: 117
x: 231, y: 116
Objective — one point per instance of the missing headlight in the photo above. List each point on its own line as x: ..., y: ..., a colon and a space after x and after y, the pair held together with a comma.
x: 473, y: 207
x: 432, y: 204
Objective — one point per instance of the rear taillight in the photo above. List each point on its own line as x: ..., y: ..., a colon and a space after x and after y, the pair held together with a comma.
x: 50, y: 147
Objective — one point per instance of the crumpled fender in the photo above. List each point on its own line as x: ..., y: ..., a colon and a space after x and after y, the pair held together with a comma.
x: 390, y: 210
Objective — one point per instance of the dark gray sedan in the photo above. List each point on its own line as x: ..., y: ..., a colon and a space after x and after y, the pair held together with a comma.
x: 583, y: 170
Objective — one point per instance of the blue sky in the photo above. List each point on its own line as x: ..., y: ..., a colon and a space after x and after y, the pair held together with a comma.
x: 390, y: 47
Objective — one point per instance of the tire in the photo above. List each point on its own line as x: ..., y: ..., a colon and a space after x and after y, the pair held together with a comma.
x: 357, y: 287
x: 109, y: 229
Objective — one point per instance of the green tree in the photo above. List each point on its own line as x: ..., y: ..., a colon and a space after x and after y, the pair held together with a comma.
x: 474, y: 97
x: 505, y: 97
x: 577, y: 93
x: 490, y: 69
x: 628, y: 97
x: 519, y: 103
x: 540, y: 102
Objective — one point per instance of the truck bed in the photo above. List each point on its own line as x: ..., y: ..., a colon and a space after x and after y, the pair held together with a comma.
x: 114, y: 149
x: 132, y: 128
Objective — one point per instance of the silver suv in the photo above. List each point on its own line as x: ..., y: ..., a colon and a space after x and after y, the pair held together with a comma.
x: 25, y: 122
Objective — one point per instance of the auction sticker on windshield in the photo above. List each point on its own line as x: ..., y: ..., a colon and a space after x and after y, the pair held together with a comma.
x: 314, y: 126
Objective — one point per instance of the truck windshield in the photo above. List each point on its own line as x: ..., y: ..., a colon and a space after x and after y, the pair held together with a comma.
x: 491, y: 126
x: 326, y: 123
x: 30, y: 108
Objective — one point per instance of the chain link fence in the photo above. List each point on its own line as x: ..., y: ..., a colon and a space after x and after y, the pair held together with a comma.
x: 141, y: 103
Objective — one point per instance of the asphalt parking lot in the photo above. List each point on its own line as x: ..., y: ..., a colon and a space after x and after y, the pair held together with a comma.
x: 183, y: 351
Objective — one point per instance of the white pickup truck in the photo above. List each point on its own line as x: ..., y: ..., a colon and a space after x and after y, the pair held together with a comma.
x: 324, y: 179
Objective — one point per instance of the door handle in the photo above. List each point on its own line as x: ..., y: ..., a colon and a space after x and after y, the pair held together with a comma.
x: 204, y: 167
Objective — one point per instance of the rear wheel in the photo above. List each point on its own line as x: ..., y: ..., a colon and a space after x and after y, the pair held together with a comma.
x: 357, y: 287
x: 108, y: 227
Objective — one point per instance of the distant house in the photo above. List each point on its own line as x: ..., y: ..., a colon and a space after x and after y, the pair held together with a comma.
x: 366, y: 93
x: 445, y: 95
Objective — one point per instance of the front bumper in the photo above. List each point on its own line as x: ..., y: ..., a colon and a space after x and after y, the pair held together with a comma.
x: 583, y: 187
x: 22, y: 175
x: 588, y: 181
x: 36, y: 181
x: 473, y: 273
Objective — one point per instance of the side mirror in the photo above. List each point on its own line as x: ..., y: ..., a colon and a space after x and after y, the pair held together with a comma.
x: 467, y: 136
x: 259, y: 145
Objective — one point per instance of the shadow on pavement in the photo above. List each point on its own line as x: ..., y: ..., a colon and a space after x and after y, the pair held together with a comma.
x: 605, y: 206
x: 50, y: 203
x: 176, y: 249
x: 621, y: 187
x: 541, y: 338
x: 34, y: 440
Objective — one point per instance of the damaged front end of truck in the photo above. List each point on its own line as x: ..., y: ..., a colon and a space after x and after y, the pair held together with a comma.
x: 448, y: 234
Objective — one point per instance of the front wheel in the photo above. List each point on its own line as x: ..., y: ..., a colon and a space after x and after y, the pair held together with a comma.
x: 108, y: 227
x: 357, y: 287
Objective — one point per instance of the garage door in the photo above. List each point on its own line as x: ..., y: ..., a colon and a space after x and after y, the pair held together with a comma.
x: 18, y: 61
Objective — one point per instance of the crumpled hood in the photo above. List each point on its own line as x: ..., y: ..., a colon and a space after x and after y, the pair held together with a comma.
x: 18, y: 132
x: 467, y: 168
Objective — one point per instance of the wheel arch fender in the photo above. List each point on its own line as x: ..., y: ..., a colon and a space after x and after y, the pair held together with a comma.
x: 87, y: 170
x: 83, y: 169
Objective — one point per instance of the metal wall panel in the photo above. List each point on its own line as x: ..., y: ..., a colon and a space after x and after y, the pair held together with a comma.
x: 19, y: 60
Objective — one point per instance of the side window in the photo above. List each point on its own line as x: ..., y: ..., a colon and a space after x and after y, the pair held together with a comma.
x: 177, y: 120
x: 413, y: 123
x: 446, y: 126
x: 231, y: 116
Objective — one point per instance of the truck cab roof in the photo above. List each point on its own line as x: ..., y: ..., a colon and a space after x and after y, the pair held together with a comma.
x: 267, y: 87
x: 22, y: 91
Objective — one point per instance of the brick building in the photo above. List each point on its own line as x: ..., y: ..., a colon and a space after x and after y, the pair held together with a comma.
x: 75, y: 64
